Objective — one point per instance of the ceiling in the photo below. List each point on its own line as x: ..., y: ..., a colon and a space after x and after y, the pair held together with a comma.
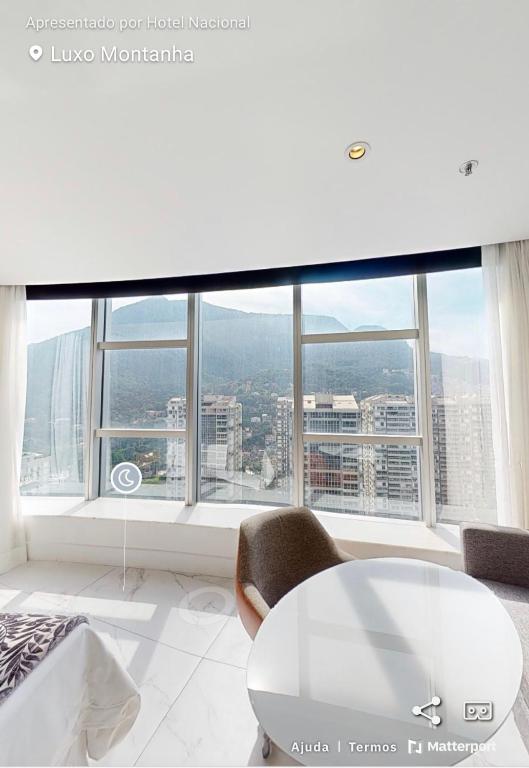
x: 114, y: 171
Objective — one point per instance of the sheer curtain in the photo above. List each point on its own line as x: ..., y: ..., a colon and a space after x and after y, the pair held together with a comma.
x: 506, y: 278
x: 68, y: 408
x: 12, y: 405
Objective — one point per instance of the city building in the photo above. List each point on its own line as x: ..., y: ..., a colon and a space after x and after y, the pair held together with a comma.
x: 369, y: 479
x: 175, y: 477
x: 463, y: 456
x: 221, y: 440
x: 332, y: 471
x: 390, y: 476
x: 282, y: 433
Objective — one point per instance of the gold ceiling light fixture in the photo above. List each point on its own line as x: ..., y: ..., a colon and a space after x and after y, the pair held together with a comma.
x: 357, y: 150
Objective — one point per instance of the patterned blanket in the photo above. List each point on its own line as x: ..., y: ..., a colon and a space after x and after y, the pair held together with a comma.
x: 25, y: 640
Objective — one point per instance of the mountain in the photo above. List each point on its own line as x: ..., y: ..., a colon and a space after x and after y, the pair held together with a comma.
x: 152, y: 318
x: 244, y: 353
x: 240, y: 346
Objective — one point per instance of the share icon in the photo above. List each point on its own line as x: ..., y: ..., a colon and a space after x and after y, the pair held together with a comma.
x: 433, y: 718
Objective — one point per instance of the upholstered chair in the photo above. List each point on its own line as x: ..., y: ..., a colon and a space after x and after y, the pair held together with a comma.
x: 277, y: 551
x: 499, y: 557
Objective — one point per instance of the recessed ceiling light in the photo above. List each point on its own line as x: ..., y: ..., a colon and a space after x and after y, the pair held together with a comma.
x: 468, y: 167
x: 358, y: 150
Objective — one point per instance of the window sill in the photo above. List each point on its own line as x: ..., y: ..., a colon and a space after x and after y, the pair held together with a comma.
x: 362, y: 536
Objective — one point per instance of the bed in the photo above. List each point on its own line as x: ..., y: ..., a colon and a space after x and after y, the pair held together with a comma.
x: 75, y: 704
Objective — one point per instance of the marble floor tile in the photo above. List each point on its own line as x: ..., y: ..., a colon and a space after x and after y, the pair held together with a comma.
x: 48, y: 602
x: 61, y: 578
x: 184, y: 612
x: 200, y: 593
x: 187, y: 630
x: 211, y: 722
x: 232, y: 645
x: 159, y: 672
x: 12, y: 600
x: 195, y: 711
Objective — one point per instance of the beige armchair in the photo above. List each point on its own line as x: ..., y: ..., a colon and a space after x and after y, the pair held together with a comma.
x: 277, y: 551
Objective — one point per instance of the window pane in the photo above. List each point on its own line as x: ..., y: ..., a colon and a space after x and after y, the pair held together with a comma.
x: 161, y: 461
x: 462, y: 427
x: 139, y: 383
x: 357, y: 305
x: 154, y: 317
x: 360, y: 387
x: 379, y: 480
x: 55, y: 424
x: 349, y: 383
x: 246, y: 396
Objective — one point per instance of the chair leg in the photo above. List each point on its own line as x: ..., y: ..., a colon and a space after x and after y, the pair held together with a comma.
x: 267, y: 746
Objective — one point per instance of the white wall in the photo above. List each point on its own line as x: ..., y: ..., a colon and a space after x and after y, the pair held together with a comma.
x: 204, y: 540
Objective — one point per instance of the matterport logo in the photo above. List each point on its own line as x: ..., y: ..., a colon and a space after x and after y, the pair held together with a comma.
x: 464, y: 747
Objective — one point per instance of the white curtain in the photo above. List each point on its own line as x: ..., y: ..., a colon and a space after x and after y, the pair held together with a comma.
x: 506, y: 279
x: 67, y: 408
x: 12, y: 405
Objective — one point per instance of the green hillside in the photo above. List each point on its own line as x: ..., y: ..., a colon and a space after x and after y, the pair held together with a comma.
x: 244, y: 353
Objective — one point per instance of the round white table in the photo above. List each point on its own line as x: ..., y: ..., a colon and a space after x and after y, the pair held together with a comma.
x: 375, y: 662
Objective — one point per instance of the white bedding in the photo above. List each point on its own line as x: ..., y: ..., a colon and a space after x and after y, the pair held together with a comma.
x: 78, y: 703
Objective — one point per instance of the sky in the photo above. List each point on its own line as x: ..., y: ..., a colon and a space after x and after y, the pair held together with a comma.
x: 51, y: 318
x: 456, y: 308
x: 457, y: 315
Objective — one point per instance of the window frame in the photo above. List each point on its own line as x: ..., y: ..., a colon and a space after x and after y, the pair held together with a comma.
x: 101, y: 315
x: 199, y: 453
x: 423, y: 439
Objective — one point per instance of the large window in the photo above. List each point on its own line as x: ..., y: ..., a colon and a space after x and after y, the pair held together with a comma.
x: 143, y: 373
x: 461, y: 411
x: 359, y: 415
x: 364, y: 397
x: 246, y: 396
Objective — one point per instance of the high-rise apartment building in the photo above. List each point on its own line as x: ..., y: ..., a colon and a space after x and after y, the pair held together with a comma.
x: 390, y: 476
x: 332, y: 470
x: 330, y: 413
x: 221, y: 439
x: 379, y: 479
x: 361, y: 478
x: 282, y: 443
x: 221, y: 442
x: 176, y: 419
x: 463, y: 456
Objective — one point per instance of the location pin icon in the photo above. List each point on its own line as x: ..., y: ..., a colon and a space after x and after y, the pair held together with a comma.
x: 35, y: 52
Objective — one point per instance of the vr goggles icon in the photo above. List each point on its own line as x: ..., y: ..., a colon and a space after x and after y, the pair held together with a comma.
x: 478, y: 710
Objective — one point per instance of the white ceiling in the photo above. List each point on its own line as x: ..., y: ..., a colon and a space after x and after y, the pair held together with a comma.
x: 237, y: 161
